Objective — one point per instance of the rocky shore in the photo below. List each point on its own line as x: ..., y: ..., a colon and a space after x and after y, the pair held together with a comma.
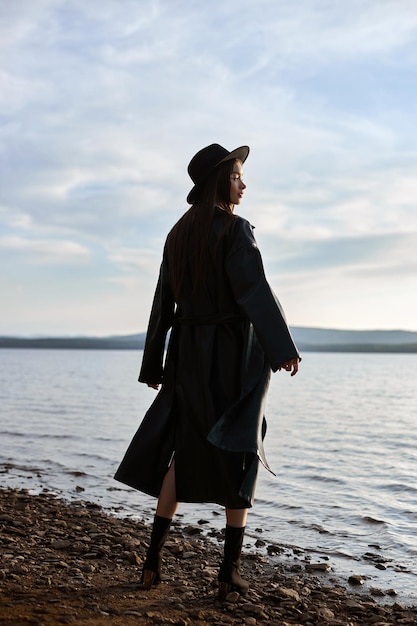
x: 74, y: 564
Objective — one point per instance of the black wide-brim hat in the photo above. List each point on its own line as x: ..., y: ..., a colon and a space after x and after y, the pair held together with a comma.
x: 206, y: 160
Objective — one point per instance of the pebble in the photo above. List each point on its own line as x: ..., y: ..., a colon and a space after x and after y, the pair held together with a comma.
x: 325, y: 614
x: 273, y: 549
x: 356, y: 580
x: 289, y: 593
x: 233, y: 597
x: 317, y: 567
x: 376, y: 592
x: 60, y: 549
x: 188, y: 555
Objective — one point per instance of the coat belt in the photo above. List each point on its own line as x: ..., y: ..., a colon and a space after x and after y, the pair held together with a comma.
x: 205, y: 320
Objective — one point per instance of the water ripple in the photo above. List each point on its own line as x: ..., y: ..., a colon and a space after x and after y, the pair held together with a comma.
x: 341, y: 438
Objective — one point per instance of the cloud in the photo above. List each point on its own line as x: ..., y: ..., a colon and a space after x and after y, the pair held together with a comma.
x: 46, y: 250
x: 139, y: 261
x: 105, y: 102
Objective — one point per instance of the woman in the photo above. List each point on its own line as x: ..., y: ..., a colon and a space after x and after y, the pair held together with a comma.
x: 202, y: 438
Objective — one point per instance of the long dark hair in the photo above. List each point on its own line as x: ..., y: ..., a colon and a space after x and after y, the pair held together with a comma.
x: 188, y: 239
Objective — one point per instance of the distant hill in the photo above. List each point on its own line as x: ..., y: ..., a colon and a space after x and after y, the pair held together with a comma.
x: 122, y: 342
x: 332, y: 340
x: 307, y: 339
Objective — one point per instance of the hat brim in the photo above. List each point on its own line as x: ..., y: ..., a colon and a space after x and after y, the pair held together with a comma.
x: 239, y: 153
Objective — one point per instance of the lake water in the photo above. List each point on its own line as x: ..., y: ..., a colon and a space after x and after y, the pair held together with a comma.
x: 341, y: 439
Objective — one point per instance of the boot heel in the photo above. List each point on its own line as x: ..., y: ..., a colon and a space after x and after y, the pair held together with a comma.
x: 148, y: 578
x: 224, y: 589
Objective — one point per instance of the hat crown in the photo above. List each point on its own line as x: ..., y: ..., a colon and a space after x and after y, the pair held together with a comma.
x: 205, y: 160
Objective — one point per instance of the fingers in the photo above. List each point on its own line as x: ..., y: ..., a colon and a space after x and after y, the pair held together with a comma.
x: 153, y: 386
x: 290, y: 366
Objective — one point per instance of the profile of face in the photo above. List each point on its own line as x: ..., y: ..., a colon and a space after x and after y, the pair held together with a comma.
x: 237, y: 186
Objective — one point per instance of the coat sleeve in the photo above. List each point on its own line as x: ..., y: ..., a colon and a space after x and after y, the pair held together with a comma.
x: 256, y: 299
x: 160, y: 321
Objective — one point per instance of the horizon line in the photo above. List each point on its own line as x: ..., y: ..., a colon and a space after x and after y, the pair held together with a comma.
x: 128, y: 334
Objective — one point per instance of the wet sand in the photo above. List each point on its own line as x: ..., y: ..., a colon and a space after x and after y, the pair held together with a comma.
x: 75, y: 564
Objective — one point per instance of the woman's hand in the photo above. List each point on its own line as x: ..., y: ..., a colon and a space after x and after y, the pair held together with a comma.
x: 153, y: 385
x: 290, y: 366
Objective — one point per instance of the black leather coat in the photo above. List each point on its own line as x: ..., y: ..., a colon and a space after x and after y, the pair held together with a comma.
x: 210, y: 409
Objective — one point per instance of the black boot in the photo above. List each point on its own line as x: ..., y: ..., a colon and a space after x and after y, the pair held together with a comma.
x: 151, y: 572
x: 229, y: 574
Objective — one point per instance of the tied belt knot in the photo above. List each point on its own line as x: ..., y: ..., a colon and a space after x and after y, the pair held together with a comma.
x: 206, y: 320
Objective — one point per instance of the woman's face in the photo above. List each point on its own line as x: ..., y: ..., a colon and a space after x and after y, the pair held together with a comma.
x: 237, y: 186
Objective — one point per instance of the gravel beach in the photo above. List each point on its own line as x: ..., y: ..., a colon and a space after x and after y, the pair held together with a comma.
x: 73, y: 563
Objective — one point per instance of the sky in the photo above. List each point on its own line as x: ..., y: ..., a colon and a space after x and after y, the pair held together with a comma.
x: 103, y: 103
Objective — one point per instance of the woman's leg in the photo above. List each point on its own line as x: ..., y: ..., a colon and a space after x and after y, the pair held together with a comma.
x: 167, y: 501
x: 236, y: 517
x: 165, y: 510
